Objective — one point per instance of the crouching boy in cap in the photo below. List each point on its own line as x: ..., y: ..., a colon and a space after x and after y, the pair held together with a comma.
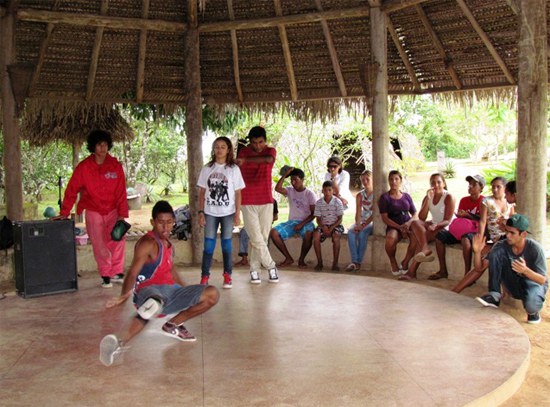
x: 519, y: 264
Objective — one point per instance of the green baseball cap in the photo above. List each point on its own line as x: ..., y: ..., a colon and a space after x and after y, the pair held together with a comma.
x: 520, y: 222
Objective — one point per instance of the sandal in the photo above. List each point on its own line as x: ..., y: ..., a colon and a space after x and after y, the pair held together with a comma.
x: 422, y: 257
x: 351, y: 267
x: 437, y: 276
x: 406, y: 277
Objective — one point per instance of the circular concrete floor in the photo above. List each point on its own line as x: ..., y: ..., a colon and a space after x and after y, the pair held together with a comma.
x: 314, y: 339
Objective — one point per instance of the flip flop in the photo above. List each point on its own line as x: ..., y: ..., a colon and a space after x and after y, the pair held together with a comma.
x: 422, y: 257
x: 437, y: 276
x: 351, y: 267
x: 406, y: 277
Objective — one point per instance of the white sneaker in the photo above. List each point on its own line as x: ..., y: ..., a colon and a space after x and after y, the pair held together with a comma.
x: 150, y: 308
x: 110, y: 350
x: 255, y: 277
x: 273, y: 277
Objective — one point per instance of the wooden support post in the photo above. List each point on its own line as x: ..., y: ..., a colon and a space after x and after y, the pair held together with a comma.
x: 380, y: 137
x: 532, y: 112
x: 12, y: 141
x: 193, y: 123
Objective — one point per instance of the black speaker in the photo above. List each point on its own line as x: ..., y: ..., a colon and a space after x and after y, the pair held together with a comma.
x: 44, y: 257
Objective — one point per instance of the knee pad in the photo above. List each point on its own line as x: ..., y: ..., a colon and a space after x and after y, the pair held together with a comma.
x: 209, y: 245
x: 227, y: 245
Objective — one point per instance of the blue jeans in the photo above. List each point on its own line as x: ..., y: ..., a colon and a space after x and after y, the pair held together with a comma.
x: 210, y: 232
x: 244, y: 240
x: 357, y: 242
x: 531, y: 294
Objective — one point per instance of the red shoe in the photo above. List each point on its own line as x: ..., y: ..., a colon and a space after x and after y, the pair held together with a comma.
x: 227, y: 282
x: 204, y: 280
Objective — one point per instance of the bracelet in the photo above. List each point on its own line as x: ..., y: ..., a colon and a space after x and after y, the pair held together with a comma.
x: 201, y: 211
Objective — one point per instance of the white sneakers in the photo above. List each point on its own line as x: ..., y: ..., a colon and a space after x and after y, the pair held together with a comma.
x: 273, y: 277
x: 150, y: 308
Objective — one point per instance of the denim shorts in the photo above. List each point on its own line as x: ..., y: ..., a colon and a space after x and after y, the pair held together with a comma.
x: 174, y: 297
x: 286, y: 229
x: 338, y: 230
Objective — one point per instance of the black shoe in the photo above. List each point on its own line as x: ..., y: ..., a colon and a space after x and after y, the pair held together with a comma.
x: 534, y: 318
x: 106, y: 282
x: 488, y: 301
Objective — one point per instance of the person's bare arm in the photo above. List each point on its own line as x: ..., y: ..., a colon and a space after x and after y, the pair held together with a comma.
x: 145, y: 250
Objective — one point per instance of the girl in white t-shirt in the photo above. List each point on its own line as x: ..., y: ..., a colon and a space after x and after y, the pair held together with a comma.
x: 220, y: 184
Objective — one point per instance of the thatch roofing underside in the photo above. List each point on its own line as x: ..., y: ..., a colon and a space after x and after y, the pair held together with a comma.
x: 261, y: 51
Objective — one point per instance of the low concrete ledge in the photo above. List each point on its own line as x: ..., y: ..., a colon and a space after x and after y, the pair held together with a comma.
x: 375, y: 257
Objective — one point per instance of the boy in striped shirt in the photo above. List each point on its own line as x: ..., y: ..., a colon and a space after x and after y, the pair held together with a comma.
x: 328, y: 213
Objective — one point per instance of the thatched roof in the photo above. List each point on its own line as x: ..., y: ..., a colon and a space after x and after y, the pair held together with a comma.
x: 71, y: 122
x: 255, y: 52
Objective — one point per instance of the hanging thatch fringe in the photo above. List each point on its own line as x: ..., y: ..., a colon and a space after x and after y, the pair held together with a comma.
x: 44, y: 122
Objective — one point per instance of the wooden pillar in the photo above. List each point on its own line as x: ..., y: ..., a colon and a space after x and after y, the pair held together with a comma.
x: 532, y: 115
x: 193, y: 123
x: 12, y: 142
x: 380, y: 137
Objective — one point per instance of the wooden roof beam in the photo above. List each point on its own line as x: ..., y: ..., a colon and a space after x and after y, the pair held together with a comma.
x: 286, y: 53
x: 140, y: 80
x: 94, y: 20
x: 95, y: 53
x: 124, y: 23
x: 42, y: 53
x: 439, y: 46
x: 235, y: 51
x: 354, y: 12
x: 389, y: 6
x: 403, y: 54
x: 486, y: 40
x: 332, y: 51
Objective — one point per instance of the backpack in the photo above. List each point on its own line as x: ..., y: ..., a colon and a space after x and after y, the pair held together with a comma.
x: 6, y: 233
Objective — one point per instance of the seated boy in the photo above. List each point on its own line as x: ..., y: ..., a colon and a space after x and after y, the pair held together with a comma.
x: 301, y: 203
x: 469, y: 207
x: 328, y: 212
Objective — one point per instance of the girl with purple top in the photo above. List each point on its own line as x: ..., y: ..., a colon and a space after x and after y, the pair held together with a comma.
x: 397, y: 211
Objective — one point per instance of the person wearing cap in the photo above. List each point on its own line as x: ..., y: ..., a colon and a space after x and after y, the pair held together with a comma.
x: 518, y: 263
x: 495, y: 211
x: 469, y: 207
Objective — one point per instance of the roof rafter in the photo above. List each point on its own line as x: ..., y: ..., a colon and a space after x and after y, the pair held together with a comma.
x: 486, y: 40
x: 42, y: 53
x: 235, y: 52
x: 94, y: 20
x: 332, y: 52
x: 95, y: 53
x: 286, y: 53
x: 403, y: 54
x: 140, y: 79
x: 439, y: 46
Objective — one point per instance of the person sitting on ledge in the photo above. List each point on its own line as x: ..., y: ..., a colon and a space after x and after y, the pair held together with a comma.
x: 518, y: 264
x: 301, y: 202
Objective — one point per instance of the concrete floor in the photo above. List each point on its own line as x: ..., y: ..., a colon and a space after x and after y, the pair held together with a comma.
x: 314, y: 339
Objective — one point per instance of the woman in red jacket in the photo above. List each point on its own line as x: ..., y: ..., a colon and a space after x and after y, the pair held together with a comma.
x: 101, y: 183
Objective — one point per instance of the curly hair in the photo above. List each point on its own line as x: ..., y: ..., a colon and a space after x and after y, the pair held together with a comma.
x: 98, y: 136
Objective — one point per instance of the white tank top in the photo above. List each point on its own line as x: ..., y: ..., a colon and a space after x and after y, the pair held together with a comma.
x: 438, y: 211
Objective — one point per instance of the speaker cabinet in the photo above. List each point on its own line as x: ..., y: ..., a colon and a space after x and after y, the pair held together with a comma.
x: 44, y: 257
